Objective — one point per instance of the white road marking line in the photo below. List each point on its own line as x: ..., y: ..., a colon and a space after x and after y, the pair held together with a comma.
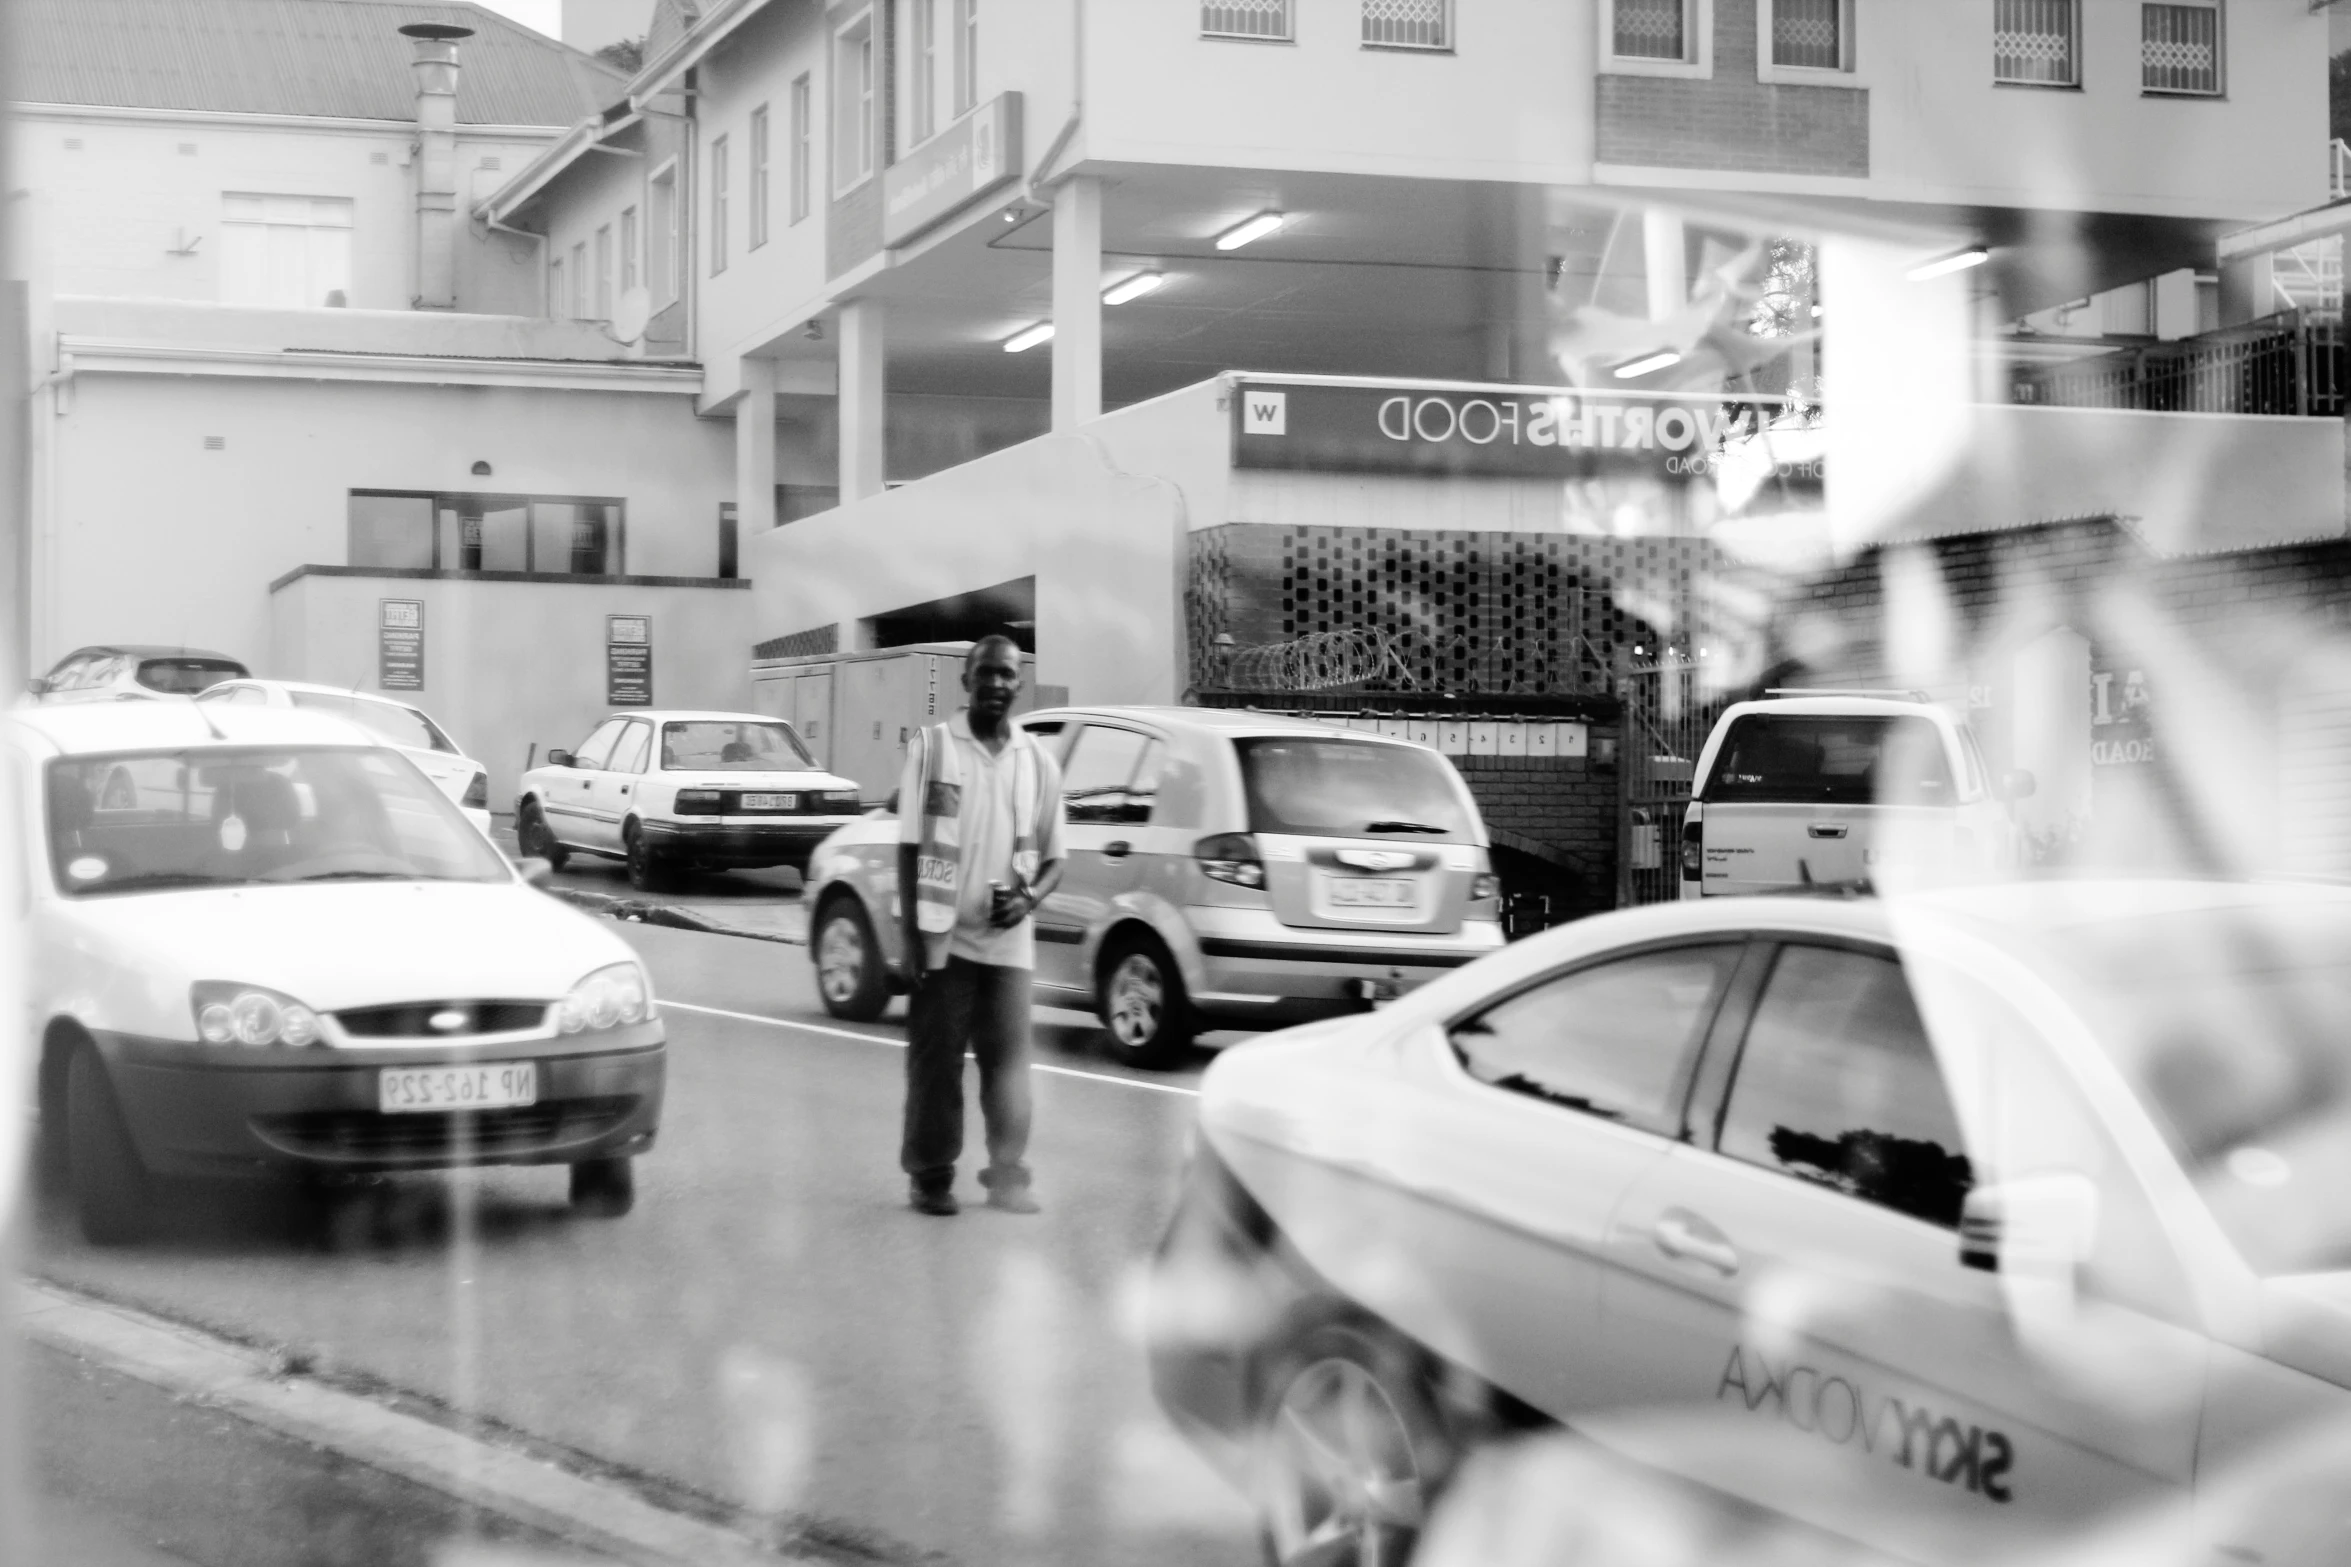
x: 202, y: 1368
x: 900, y: 1044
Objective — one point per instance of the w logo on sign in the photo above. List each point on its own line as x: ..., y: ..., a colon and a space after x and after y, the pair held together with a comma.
x: 1265, y: 413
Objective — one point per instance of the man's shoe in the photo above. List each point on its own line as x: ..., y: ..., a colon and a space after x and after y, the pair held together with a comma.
x: 1012, y: 1199
x: 939, y: 1204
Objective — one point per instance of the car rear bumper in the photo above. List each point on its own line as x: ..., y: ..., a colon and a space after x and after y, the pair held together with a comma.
x: 190, y: 1113
x: 742, y: 843
x: 1281, y: 974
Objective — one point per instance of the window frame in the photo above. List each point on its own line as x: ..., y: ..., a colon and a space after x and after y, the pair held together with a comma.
x: 2220, y: 49
x: 1847, y: 73
x: 558, y: 288
x: 922, y: 72
x: 1697, y: 56
x: 757, y: 192
x: 1288, y: 34
x: 719, y: 173
x: 576, y: 307
x: 604, y: 273
x: 1152, y: 751
x: 246, y: 214
x: 1451, y: 45
x: 801, y: 176
x: 855, y: 135
x: 632, y: 267
x: 665, y: 282
x: 1731, y: 1007
x: 966, y: 96
x: 2074, y: 9
x: 615, y: 547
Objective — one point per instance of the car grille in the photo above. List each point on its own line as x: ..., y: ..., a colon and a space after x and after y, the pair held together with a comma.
x: 413, y: 1019
x: 455, y: 1134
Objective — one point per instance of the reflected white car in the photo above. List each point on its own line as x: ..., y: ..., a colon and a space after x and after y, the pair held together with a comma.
x: 1951, y: 1226
x: 396, y: 723
x: 258, y: 940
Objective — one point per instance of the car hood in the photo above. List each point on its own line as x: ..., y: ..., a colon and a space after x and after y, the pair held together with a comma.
x: 2306, y: 1324
x: 350, y: 944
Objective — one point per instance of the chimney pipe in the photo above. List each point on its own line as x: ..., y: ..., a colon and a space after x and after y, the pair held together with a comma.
x: 435, y: 63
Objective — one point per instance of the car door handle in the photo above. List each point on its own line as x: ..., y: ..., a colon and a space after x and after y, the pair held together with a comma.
x: 624, y: 788
x: 1826, y: 829
x: 1117, y: 849
x: 1687, y: 1238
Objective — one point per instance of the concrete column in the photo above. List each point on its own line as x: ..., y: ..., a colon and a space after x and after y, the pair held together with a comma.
x: 755, y: 451
x: 1077, y: 302
x: 863, y: 335
x: 2175, y: 305
x: 2246, y: 290
x: 1663, y: 257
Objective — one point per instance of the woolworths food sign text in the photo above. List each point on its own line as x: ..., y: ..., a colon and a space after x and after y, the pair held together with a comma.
x: 1534, y: 434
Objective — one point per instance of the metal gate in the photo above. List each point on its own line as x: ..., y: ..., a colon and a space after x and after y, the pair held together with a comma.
x: 1667, y: 717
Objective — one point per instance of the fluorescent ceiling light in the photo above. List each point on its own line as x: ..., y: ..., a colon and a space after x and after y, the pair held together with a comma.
x: 1974, y: 256
x: 1133, y: 288
x: 1250, y: 229
x: 1639, y: 367
x: 1028, y: 337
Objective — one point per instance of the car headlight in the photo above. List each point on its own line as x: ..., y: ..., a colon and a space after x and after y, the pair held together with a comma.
x: 610, y: 997
x: 231, y: 1014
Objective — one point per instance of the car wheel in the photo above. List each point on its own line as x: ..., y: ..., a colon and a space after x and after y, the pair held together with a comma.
x: 536, y: 839
x: 648, y: 871
x: 1350, y: 1450
x: 1142, y: 1003
x: 110, y: 1186
x: 850, y: 979
x: 603, y: 1188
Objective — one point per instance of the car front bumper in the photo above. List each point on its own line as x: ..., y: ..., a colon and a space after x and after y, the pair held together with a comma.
x: 741, y: 843
x: 194, y: 1109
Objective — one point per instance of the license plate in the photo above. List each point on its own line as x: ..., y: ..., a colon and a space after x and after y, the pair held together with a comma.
x: 1374, y: 892
x: 771, y: 802
x: 489, y: 1086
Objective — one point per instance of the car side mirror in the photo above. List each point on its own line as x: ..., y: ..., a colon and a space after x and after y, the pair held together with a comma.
x: 37, y: 686
x: 535, y: 872
x: 2037, y: 1231
x: 2016, y: 784
x: 558, y: 757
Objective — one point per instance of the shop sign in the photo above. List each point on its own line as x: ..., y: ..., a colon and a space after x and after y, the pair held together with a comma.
x: 2121, y: 734
x: 628, y: 661
x: 1501, y: 433
x: 954, y: 168
x: 400, y: 644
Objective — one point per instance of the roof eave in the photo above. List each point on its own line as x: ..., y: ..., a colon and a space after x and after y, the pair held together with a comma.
x: 533, y: 178
x: 662, y: 72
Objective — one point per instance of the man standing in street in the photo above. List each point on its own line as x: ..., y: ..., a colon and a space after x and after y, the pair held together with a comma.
x: 979, y: 847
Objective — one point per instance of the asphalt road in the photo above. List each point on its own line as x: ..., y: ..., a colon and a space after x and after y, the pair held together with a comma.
x: 772, y: 1326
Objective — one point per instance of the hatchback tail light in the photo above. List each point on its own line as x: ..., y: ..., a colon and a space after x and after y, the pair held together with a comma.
x: 477, y: 793
x: 1231, y: 857
x: 1693, y: 847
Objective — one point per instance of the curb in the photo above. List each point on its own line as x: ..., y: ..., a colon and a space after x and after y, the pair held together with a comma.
x: 255, y: 1386
x: 675, y: 916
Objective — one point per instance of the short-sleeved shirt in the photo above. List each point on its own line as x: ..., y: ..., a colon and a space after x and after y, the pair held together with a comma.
x: 986, y: 831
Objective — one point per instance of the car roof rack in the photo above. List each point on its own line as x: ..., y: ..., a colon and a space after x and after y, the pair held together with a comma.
x: 1884, y: 696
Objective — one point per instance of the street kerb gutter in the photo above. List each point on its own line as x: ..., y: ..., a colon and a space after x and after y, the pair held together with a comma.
x: 251, y: 1384
x: 676, y: 916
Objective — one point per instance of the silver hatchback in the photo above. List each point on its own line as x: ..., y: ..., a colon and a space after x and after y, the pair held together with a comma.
x: 1225, y: 870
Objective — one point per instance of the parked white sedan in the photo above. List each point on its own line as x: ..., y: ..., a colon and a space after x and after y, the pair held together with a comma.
x: 669, y: 789
x: 1949, y: 1226
x: 394, y: 722
x: 260, y: 940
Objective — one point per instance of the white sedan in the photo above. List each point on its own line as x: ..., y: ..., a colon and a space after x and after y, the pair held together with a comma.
x: 260, y: 940
x: 1949, y: 1226
x: 394, y: 722
x: 664, y: 790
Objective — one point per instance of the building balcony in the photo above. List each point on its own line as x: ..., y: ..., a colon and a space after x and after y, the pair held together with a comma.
x: 2287, y: 364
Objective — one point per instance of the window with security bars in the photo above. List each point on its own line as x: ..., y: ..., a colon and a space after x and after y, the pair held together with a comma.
x: 1408, y: 24
x: 2037, y: 43
x: 1651, y: 29
x: 2179, y: 48
x: 1245, y: 19
x: 1808, y: 34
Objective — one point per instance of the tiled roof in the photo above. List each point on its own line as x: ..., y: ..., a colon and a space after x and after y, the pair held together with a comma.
x: 341, y: 58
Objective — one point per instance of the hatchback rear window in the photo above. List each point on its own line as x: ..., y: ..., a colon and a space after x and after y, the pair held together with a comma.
x: 1855, y: 760
x: 1351, y: 789
x: 187, y: 676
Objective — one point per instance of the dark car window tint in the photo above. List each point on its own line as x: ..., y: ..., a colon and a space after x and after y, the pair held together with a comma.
x: 1858, y: 760
x: 1614, y: 1040
x: 186, y: 676
x: 1094, y: 780
x: 1837, y: 1084
x: 1351, y: 788
x: 598, y: 745
x: 629, y: 755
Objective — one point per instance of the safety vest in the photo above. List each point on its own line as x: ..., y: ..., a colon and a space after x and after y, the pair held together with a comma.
x: 938, y: 877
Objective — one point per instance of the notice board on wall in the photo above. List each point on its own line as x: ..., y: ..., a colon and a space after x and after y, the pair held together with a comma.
x: 400, y: 644
x: 628, y: 661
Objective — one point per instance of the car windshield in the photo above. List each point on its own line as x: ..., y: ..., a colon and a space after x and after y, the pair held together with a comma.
x: 2229, y: 1026
x: 1782, y: 759
x: 1351, y: 789
x: 387, y: 721
x: 187, y: 676
x: 223, y: 817
x: 716, y: 745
